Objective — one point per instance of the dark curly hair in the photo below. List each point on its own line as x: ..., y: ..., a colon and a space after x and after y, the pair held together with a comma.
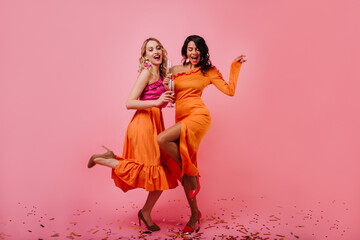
x: 204, y: 63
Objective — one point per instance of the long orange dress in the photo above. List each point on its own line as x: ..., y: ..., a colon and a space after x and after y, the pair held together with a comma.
x: 144, y: 164
x: 192, y: 112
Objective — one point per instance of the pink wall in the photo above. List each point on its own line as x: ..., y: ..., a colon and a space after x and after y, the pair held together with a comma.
x: 290, y: 134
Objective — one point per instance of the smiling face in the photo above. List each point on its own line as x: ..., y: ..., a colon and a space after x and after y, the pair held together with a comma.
x: 193, y: 53
x: 154, y: 52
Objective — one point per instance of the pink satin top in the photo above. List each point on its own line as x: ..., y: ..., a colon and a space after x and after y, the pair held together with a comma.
x: 153, y: 91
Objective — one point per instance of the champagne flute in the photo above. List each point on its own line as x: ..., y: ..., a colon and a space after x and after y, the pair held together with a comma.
x: 171, y: 82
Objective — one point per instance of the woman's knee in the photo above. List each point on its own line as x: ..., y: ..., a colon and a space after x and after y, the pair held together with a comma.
x: 161, y: 139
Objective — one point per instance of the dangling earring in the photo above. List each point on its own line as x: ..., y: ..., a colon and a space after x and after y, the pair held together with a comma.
x: 187, y: 60
x: 147, y: 63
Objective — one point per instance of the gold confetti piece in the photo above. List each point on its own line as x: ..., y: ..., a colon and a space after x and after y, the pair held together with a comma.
x: 175, y: 234
x: 120, y: 227
x: 95, y: 232
x: 4, y: 234
x: 272, y: 215
x: 55, y: 235
x: 83, y: 211
x: 280, y: 235
x: 76, y: 235
x: 267, y: 234
x: 209, y: 227
x: 73, y: 223
x: 273, y: 220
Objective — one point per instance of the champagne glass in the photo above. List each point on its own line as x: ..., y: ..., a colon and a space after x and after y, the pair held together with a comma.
x: 171, y: 82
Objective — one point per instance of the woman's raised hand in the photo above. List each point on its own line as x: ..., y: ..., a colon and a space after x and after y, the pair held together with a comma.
x: 241, y: 59
x: 164, y: 98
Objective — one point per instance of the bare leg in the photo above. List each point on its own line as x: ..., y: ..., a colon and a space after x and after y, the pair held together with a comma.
x: 149, y: 204
x: 192, y: 202
x: 108, y: 162
x: 167, y: 141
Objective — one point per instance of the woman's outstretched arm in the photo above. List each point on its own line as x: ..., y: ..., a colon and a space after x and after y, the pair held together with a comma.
x: 217, y: 79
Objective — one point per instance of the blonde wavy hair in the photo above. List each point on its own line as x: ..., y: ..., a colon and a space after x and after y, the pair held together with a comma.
x: 163, y: 65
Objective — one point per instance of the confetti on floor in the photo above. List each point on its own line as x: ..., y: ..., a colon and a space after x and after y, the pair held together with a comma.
x: 226, y: 218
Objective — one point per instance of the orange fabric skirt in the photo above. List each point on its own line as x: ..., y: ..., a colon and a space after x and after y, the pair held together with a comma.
x: 144, y: 164
x: 195, y: 123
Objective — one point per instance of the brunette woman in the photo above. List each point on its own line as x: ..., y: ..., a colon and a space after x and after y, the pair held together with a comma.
x: 182, y: 140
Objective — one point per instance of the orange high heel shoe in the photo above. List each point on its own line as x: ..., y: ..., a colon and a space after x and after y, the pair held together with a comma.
x: 187, y: 229
x: 193, y: 193
x: 108, y: 154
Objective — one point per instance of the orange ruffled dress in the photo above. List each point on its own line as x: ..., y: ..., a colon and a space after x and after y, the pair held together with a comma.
x: 143, y: 164
x: 192, y: 112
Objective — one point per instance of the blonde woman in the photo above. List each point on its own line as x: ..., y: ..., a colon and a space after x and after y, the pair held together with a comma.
x: 143, y: 164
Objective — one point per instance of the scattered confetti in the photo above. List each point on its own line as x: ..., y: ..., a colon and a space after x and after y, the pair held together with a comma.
x: 232, y: 219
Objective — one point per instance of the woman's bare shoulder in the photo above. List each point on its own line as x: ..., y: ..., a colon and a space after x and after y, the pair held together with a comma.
x: 179, y: 69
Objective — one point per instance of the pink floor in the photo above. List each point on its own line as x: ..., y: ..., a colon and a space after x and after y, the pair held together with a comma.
x: 227, y: 218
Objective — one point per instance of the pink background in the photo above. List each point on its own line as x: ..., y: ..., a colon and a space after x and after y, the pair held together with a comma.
x: 289, y: 136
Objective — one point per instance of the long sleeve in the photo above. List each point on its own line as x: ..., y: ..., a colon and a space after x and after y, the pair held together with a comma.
x: 217, y: 79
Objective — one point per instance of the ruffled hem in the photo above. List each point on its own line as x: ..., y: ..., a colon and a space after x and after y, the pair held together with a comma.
x: 130, y: 175
x: 194, y: 70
